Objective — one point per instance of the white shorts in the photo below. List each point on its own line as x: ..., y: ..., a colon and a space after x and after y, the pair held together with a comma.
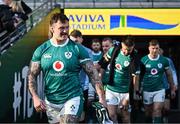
x: 73, y: 106
x: 114, y: 98
x: 151, y: 97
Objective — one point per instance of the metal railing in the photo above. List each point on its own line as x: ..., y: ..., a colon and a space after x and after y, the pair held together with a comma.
x: 8, y: 39
x: 119, y: 3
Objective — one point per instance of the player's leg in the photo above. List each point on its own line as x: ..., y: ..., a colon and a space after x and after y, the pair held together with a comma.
x: 53, y: 113
x: 72, y: 110
x: 73, y: 119
x: 148, y: 106
x: 158, y: 100
x: 125, y: 107
x: 166, y: 106
x: 83, y: 118
x: 112, y: 105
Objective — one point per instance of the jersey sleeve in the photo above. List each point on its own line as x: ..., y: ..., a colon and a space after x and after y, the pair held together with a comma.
x: 172, y: 67
x: 142, y: 67
x: 109, y: 53
x: 83, y: 54
x: 166, y: 63
x: 37, y: 55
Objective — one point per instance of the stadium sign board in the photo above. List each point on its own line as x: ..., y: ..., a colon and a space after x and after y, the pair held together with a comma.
x: 125, y: 21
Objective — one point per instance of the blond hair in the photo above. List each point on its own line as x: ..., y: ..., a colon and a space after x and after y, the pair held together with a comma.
x: 16, y: 6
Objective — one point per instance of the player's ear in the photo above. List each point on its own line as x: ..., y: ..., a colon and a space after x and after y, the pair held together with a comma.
x: 149, y: 48
x: 51, y: 29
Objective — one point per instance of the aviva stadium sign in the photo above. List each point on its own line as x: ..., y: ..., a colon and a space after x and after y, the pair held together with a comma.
x: 125, y: 21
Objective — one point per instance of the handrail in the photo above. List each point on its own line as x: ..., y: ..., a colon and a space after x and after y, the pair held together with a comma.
x: 45, y: 3
x: 34, y: 18
x: 120, y: 3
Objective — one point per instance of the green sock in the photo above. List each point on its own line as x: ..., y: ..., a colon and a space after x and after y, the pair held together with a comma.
x: 157, y: 120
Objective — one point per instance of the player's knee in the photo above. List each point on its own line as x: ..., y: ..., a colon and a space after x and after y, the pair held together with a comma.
x: 157, y: 112
x: 70, y: 119
x: 125, y: 116
x: 113, y: 117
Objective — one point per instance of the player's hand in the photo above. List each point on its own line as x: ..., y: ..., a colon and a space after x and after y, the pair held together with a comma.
x: 173, y: 94
x: 175, y: 87
x: 137, y: 95
x: 103, y: 101
x: 39, y: 105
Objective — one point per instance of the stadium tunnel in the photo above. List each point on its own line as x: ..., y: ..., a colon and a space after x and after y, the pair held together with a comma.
x: 16, y: 105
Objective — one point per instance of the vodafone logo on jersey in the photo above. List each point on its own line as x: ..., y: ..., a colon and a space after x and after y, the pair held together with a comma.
x: 58, y: 65
x: 154, y: 71
x: 118, y: 66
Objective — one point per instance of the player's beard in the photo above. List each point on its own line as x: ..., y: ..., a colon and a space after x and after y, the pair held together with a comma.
x: 62, y: 37
x: 154, y: 54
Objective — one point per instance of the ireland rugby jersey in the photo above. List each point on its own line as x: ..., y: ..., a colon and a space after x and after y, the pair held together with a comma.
x: 61, y: 67
x: 154, y: 70
x: 96, y: 56
x: 121, y: 72
x: 105, y: 76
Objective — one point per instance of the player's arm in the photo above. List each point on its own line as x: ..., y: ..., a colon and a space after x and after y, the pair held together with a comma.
x: 34, y: 70
x: 136, y: 82
x: 172, y: 68
x: 95, y: 80
x: 170, y: 80
x: 136, y: 72
x: 102, y: 64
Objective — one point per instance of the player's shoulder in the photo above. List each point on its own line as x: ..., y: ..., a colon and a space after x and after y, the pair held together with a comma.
x: 111, y: 49
x: 43, y: 46
x: 163, y: 58
x: 145, y: 59
x: 75, y: 44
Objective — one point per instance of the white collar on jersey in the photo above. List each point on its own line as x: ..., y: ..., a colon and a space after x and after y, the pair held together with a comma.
x: 98, y: 53
x: 154, y: 58
x: 59, y: 45
x: 122, y: 52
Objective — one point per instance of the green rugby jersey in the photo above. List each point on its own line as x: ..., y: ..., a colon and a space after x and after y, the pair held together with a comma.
x: 121, y: 73
x: 105, y: 76
x: 154, y: 70
x: 61, y: 65
x: 96, y: 56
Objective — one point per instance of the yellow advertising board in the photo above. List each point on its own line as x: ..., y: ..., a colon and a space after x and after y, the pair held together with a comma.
x: 125, y: 21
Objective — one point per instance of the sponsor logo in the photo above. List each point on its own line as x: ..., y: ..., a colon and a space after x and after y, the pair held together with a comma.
x: 87, y: 21
x: 58, y: 66
x: 118, y: 66
x: 148, y: 66
x: 86, y: 18
x: 154, y: 71
x: 47, y: 56
x: 131, y: 21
